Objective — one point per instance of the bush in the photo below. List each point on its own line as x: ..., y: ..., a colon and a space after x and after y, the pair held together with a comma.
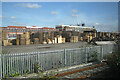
x: 92, y: 56
x: 113, y: 61
x: 36, y: 67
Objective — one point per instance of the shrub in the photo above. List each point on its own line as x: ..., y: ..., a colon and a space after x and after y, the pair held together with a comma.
x: 113, y: 61
x: 36, y: 67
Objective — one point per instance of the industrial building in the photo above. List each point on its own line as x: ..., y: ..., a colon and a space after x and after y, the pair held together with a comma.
x: 25, y: 35
x: 77, y: 28
x: 13, y: 31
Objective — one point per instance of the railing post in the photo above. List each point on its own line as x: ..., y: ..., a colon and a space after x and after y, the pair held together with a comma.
x: 0, y: 66
x: 86, y: 55
x: 101, y: 54
x: 65, y: 57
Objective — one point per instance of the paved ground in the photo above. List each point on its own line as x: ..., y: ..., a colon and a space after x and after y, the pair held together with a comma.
x: 41, y: 47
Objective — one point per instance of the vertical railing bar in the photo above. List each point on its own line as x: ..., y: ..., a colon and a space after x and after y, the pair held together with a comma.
x: 23, y: 66
x: 1, y: 66
x: 29, y: 63
x: 85, y: 52
x: 17, y: 63
x: 3, y: 61
x: 21, y: 63
x: 5, y: 64
x: 14, y: 63
x: 11, y: 63
x: 65, y: 57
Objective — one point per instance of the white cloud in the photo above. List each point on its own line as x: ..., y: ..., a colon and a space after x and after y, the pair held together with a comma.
x: 97, y: 23
x: 54, y: 12
x: 75, y: 15
x: 13, y: 17
x: 29, y: 5
x: 74, y: 10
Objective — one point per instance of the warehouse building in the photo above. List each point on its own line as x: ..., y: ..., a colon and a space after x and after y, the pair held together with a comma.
x: 77, y: 28
x: 13, y: 31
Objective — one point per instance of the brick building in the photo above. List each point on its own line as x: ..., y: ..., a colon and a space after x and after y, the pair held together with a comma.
x: 13, y: 31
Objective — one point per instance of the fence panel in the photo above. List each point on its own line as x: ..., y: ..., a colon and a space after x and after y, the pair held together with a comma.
x: 21, y: 63
x: 93, y: 53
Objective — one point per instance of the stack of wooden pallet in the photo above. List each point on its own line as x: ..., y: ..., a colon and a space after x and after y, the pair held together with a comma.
x: 44, y: 42
x: 40, y: 36
x: 67, y: 36
x: 27, y: 38
x: 22, y: 41
x: 51, y: 36
x: 36, y: 41
x: 44, y: 37
x: 17, y: 41
x: 55, y: 40
x: 59, y: 39
x: 79, y: 36
x: 74, y: 39
x: 63, y: 40
x: 49, y: 41
x: 9, y: 44
x: 4, y: 35
x: 5, y: 42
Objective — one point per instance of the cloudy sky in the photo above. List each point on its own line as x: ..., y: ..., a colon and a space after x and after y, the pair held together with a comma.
x: 102, y: 15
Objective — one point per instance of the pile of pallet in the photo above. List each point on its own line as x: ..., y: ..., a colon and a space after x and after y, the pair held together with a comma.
x: 63, y: 40
x: 36, y: 40
x: 74, y: 39
x: 49, y: 41
x: 5, y: 41
x: 23, y: 39
x: 59, y: 39
x: 4, y: 35
x: 67, y: 36
x: 27, y: 38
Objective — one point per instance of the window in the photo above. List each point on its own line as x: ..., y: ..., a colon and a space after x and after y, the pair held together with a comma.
x: 14, y: 35
x: 22, y: 30
x: 9, y: 30
x: 17, y: 30
x: 14, y: 30
x: 9, y: 35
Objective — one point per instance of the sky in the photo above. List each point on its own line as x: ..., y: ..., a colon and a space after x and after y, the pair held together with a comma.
x: 102, y: 15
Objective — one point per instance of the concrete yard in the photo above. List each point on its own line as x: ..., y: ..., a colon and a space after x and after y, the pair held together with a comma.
x: 41, y: 47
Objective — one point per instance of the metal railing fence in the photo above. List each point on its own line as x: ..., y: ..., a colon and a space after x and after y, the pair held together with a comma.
x: 24, y: 62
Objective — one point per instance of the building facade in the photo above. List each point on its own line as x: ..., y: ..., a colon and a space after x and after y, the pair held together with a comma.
x: 74, y: 28
x: 13, y: 31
